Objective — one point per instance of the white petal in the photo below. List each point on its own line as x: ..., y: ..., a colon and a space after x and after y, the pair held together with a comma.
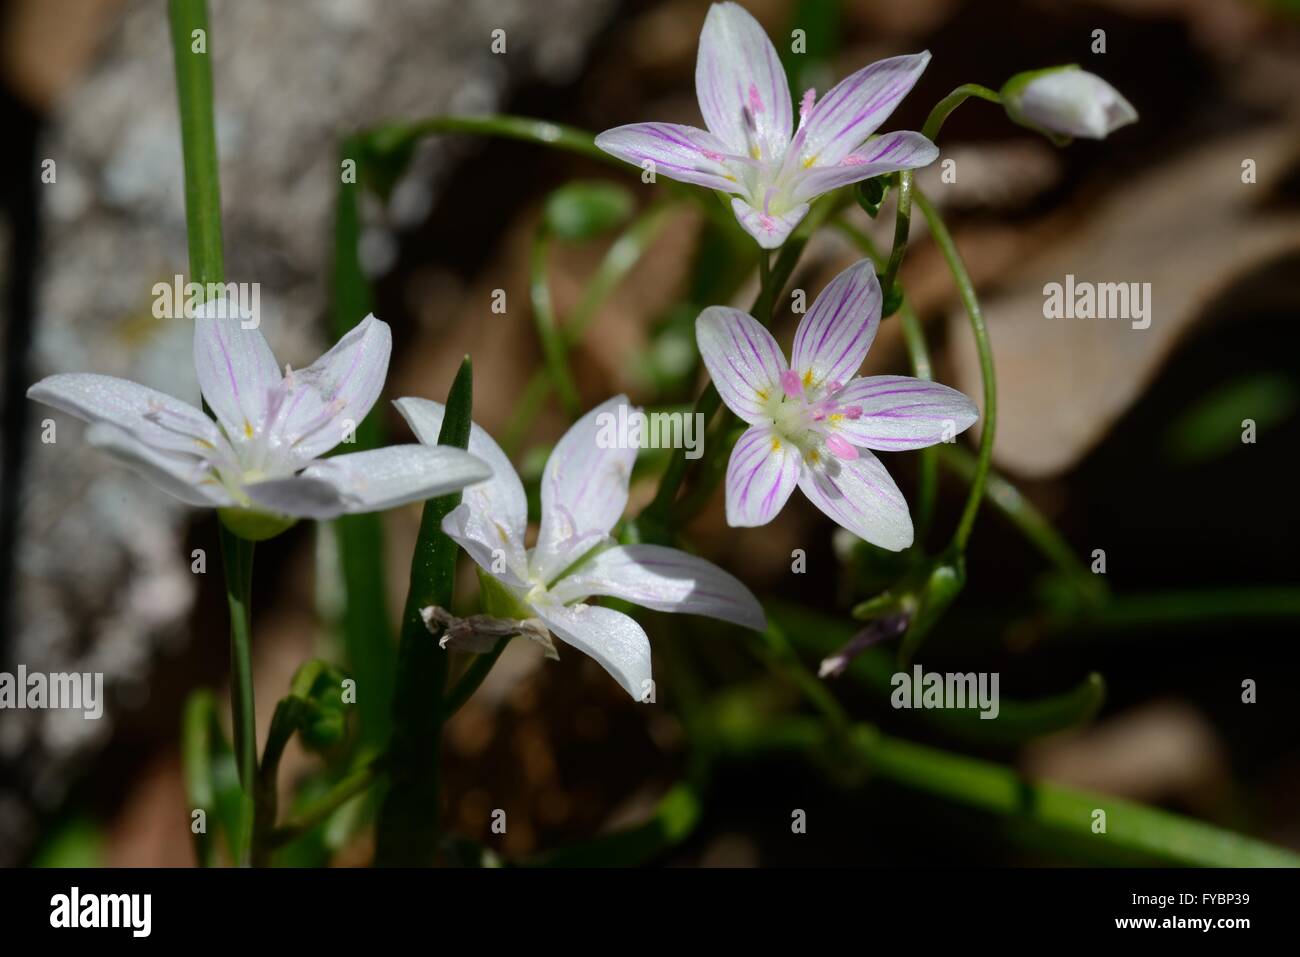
x: 489, y: 543
x: 900, y: 412
x: 617, y: 642
x: 298, y: 497
x: 679, y: 152
x: 893, y: 151
x: 741, y: 85
x: 833, y: 338
x: 500, y: 502
x: 584, y: 488
x: 236, y: 369
x: 856, y: 106
x: 665, y: 579
x: 155, y: 418
x: 860, y: 496
x: 761, y: 474
x: 379, y: 479
x: 743, y: 360
x: 769, y: 231
x: 331, y: 397
x: 180, y: 476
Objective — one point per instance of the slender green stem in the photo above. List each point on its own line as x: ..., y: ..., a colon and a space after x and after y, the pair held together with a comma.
x: 320, y: 810
x: 471, y: 679
x: 1037, y: 808
x: 553, y: 346
x: 402, y: 136
x: 902, y: 229
x: 191, y: 47
x: 966, y: 289
x: 198, y: 727
x: 1030, y: 522
x: 237, y: 556
x: 934, y: 122
x: 903, y: 214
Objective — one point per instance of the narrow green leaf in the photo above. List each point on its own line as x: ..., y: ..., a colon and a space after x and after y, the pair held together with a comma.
x: 585, y: 209
x: 411, y: 811
x: 367, y: 633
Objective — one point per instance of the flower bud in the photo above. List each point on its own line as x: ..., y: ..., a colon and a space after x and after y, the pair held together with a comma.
x: 1066, y: 101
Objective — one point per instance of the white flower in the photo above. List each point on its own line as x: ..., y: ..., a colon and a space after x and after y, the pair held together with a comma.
x: 584, y: 491
x: 1067, y: 101
x: 813, y: 420
x: 260, y: 461
x: 748, y: 149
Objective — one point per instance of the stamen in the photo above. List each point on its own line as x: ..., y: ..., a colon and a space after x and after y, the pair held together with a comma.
x: 853, y: 159
x: 755, y: 100
x: 806, y: 104
x: 790, y: 383
x: 840, y: 448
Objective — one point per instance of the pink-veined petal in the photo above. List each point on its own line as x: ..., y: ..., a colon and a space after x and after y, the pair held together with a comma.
x: 328, y: 399
x: 741, y: 85
x: 859, y: 495
x: 617, y: 642
x: 900, y: 412
x: 584, y: 488
x: 743, y: 360
x: 769, y: 231
x: 902, y: 149
x: 665, y: 579
x: 856, y: 106
x: 761, y: 474
x: 155, y: 418
x: 180, y: 476
x: 499, y: 506
x: 237, y: 372
x: 679, y: 152
x: 833, y: 338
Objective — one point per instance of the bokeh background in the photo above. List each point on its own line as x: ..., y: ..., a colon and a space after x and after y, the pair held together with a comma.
x: 1129, y: 440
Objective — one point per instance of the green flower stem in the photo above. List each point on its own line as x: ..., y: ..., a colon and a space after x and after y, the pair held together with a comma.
x: 1036, y: 808
x: 1027, y: 519
x: 203, y: 231
x: 198, y: 727
x: 198, y: 139
x: 903, y: 215
x: 934, y: 122
x: 410, y: 816
x: 359, y: 539
x: 403, y: 136
x: 966, y: 289
x: 237, y: 557
x: 471, y: 679
x: 902, y: 229
x: 553, y: 346
x: 320, y: 810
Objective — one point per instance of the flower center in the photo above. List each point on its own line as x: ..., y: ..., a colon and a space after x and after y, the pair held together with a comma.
x: 804, y: 415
